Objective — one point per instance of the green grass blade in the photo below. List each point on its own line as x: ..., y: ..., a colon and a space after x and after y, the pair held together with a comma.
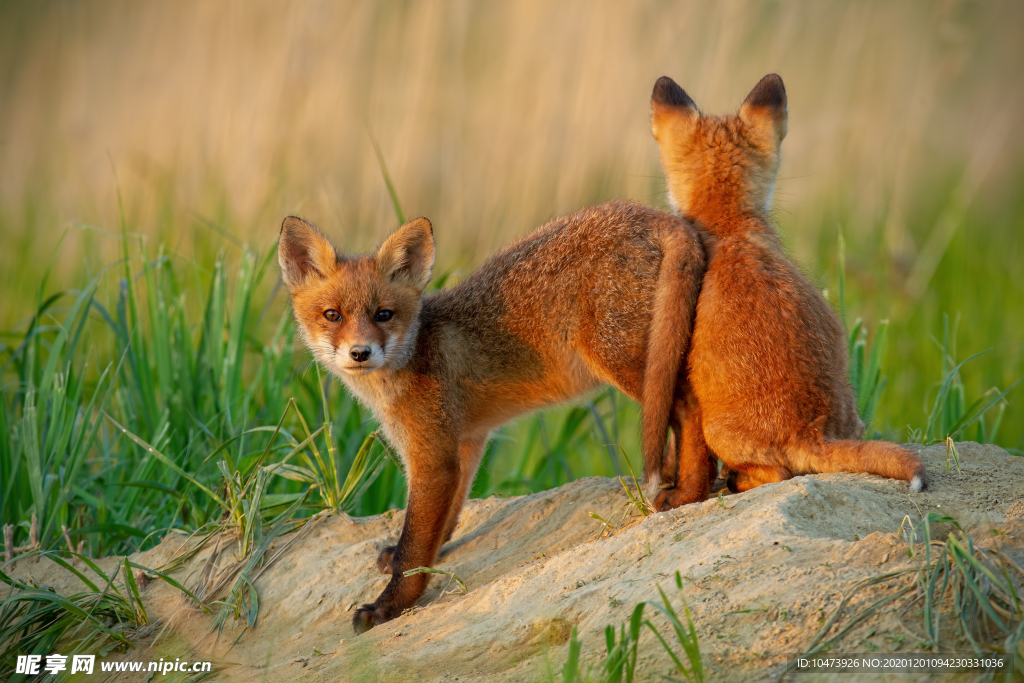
x: 167, y: 461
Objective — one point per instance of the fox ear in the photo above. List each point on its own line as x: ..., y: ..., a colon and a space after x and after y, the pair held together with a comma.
x: 672, y: 110
x: 765, y: 107
x: 408, y: 255
x: 303, y: 252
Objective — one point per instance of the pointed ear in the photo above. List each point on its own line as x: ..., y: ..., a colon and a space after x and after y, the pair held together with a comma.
x: 672, y: 110
x: 765, y: 107
x: 304, y: 253
x: 408, y: 255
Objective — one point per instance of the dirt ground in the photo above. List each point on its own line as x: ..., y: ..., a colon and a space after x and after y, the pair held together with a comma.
x: 762, y: 571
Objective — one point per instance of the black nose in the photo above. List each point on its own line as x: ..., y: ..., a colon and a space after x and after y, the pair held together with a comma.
x: 360, y: 353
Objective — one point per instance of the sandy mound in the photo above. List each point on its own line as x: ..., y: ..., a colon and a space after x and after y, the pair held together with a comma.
x: 762, y: 570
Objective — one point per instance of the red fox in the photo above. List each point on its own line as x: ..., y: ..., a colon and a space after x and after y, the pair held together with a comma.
x: 768, y: 389
x: 603, y: 296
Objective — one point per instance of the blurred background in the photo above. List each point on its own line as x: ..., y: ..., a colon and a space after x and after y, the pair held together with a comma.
x: 213, y: 120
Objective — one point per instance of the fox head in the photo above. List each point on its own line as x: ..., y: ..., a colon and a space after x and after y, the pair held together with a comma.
x: 358, y: 313
x: 715, y: 163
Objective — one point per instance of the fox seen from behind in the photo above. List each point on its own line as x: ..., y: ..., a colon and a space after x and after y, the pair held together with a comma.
x: 603, y: 296
x: 767, y: 370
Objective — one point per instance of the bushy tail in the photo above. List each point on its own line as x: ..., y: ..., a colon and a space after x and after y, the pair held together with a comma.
x: 874, y: 457
x: 675, y: 303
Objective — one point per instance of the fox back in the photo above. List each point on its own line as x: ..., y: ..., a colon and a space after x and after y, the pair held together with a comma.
x: 567, y: 308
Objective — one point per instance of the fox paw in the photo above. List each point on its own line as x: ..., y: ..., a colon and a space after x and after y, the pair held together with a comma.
x: 385, y: 558
x: 672, y: 498
x: 364, y: 619
x: 368, y: 616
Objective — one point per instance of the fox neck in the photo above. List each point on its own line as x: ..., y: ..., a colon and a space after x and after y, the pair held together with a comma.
x: 378, y: 389
x: 725, y: 194
x: 724, y: 209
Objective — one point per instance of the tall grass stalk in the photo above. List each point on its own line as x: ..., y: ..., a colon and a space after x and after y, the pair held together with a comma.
x: 951, y: 415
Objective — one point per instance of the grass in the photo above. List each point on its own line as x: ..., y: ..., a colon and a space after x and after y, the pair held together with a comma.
x: 158, y: 423
x: 979, y: 590
x: 124, y: 419
x: 619, y: 663
x: 951, y: 415
x: 37, y: 619
x: 163, y: 404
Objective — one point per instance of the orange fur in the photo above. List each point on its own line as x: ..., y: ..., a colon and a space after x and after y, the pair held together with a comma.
x: 603, y: 296
x: 769, y: 393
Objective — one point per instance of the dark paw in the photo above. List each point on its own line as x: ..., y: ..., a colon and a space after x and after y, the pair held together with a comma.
x: 733, y: 480
x: 384, y: 559
x: 363, y: 620
x: 368, y: 616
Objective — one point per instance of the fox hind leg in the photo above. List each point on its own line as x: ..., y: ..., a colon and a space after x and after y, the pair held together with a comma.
x: 669, y: 463
x: 696, y: 467
x: 470, y: 453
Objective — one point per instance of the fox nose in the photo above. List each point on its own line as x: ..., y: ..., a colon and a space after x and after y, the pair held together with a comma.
x: 360, y: 353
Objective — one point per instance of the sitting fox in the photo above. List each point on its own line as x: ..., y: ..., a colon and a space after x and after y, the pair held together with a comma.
x: 768, y: 391
x: 603, y: 296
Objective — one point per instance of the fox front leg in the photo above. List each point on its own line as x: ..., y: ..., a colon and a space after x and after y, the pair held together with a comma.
x: 434, y: 475
x: 470, y: 452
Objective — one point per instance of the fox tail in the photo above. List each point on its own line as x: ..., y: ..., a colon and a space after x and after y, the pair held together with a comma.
x: 874, y: 457
x: 668, y: 340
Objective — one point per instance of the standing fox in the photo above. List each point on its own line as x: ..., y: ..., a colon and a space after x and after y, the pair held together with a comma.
x: 768, y: 388
x: 603, y: 296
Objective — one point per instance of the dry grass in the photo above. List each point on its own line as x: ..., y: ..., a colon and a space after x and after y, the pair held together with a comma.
x: 493, y: 117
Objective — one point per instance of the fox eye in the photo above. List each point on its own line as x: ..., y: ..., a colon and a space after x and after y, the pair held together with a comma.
x: 332, y: 315
x: 383, y: 315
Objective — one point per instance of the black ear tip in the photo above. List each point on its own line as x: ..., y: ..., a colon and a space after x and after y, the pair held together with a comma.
x: 769, y: 92
x: 291, y: 221
x: 774, y: 83
x: 667, y: 92
x: 664, y: 86
x: 420, y: 222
